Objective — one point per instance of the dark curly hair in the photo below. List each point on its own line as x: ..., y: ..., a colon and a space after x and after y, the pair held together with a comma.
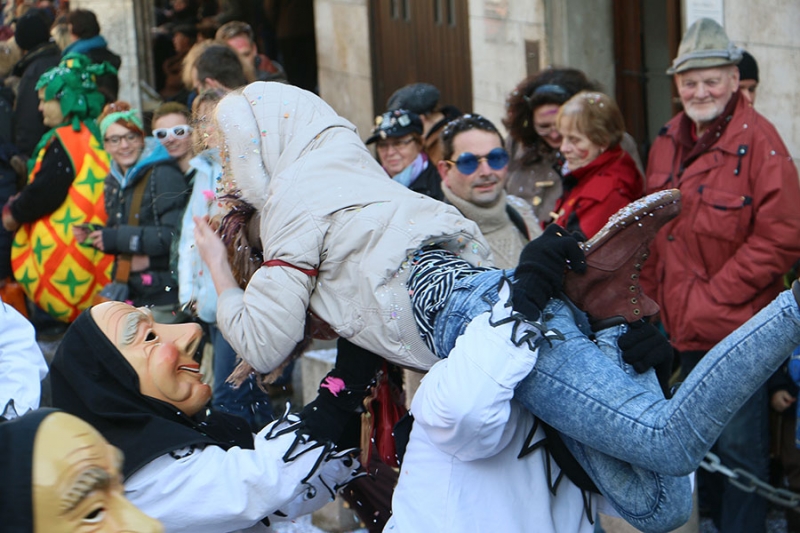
x: 552, y: 86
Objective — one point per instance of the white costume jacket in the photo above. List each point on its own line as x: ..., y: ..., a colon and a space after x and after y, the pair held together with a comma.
x: 461, y: 473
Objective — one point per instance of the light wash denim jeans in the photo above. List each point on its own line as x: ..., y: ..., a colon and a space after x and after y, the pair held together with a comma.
x: 637, y: 446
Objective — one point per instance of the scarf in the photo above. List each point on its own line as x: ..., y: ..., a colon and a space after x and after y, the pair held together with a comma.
x: 504, y: 238
x: 407, y: 176
x: 93, y: 381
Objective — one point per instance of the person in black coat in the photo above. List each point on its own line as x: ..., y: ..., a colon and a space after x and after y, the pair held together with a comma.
x: 40, y: 55
x: 85, y: 38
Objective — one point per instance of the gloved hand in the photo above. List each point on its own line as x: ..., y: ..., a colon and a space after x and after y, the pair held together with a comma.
x: 644, y: 346
x: 335, y: 414
x: 542, y: 264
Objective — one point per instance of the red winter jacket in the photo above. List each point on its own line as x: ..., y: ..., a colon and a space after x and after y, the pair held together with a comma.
x: 721, y: 260
x: 595, y: 192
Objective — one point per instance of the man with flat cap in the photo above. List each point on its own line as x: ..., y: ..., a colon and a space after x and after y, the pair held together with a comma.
x: 722, y: 259
x: 423, y: 99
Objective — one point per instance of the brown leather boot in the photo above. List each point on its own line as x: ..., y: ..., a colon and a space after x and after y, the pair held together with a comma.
x: 614, y: 256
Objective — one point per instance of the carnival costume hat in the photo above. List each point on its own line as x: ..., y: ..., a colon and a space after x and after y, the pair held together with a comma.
x: 93, y: 381
x: 397, y: 123
x: 16, y: 469
x: 73, y: 82
x: 705, y: 45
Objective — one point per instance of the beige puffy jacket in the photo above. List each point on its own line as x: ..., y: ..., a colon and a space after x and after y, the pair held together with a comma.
x: 326, y: 204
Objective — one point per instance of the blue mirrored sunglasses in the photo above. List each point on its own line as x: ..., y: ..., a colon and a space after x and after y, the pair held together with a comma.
x: 467, y: 163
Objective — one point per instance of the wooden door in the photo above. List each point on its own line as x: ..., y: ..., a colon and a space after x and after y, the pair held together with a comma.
x: 646, y: 38
x: 421, y: 41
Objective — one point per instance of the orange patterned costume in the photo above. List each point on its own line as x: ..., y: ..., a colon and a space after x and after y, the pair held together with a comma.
x: 58, y: 273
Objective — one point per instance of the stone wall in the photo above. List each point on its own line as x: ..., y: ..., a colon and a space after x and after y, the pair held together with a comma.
x: 343, y: 59
x: 769, y: 32
x: 498, y: 31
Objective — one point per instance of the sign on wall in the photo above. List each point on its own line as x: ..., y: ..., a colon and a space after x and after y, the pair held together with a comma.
x: 697, y: 9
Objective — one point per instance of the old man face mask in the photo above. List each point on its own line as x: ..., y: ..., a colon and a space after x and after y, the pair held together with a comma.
x: 161, y: 354
x: 77, y: 481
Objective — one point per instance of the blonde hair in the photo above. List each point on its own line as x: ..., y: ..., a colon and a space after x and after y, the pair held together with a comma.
x: 60, y: 34
x: 188, y: 62
x: 595, y: 115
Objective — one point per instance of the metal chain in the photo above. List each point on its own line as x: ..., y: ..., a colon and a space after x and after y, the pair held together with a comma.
x: 747, y: 482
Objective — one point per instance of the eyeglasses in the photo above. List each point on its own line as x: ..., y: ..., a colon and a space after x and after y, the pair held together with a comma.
x: 115, y: 140
x: 385, y: 144
x: 544, y: 130
x: 178, y: 132
x: 468, y: 163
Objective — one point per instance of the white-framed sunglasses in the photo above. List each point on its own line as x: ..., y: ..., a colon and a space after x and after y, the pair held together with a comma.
x: 178, y: 132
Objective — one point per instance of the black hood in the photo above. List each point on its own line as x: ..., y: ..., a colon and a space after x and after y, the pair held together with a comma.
x: 92, y: 380
x: 16, y: 470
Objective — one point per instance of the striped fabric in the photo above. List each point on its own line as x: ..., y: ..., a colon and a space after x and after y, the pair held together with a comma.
x: 430, y: 283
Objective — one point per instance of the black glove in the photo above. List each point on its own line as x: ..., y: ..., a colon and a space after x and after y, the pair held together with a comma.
x: 335, y: 413
x: 644, y: 347
x: 542, y: 264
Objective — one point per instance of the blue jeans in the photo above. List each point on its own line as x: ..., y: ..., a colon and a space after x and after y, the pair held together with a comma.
x: 637, y: 445
x: 248, y: 401
x: 743, y: 443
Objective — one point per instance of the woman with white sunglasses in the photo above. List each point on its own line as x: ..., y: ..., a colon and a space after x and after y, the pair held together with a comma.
x: 171, y: 126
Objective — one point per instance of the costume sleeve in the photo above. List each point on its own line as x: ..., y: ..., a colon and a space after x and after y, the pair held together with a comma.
x: 464, y: 402
x: 169, y: 203
x: 210, y: 489
x: 49, y: 188
x: 22, y: 366
x: 774, y: 240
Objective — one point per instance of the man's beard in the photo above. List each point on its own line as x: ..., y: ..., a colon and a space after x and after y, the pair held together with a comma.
x: 705, y: 116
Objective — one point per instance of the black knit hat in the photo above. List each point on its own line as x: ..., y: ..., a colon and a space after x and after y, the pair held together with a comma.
x: 32, y: 30
x: 419, y: 98
x: 748, y: 68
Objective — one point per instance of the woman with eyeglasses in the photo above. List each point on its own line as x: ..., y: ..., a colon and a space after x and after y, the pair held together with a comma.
x: 171, y: 127
x: 534, y: 172
x: 399, y: 145
x: 600, y: 177
x: 143, y: 174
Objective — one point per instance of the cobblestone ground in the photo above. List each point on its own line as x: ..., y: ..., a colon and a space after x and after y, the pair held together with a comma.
x: 303, y: 525
x: 776, y: 523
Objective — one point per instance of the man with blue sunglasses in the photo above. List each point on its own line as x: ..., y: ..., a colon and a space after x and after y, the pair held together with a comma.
x: 474, y: 170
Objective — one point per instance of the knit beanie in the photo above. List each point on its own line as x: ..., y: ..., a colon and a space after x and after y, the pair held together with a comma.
x: 748, y: 68
x: 32, y: 30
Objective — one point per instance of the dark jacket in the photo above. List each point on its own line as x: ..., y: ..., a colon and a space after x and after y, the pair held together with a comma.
x: 723, y: 258
x: 428, y: 182
x: 97, y: 51
x: 28, y: 120
x: 164, y: 199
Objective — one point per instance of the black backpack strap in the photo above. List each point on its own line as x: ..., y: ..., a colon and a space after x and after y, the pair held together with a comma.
x: 518, y: 221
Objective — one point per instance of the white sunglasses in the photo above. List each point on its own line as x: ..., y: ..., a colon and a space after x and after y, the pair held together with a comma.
x: 179, y: 132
